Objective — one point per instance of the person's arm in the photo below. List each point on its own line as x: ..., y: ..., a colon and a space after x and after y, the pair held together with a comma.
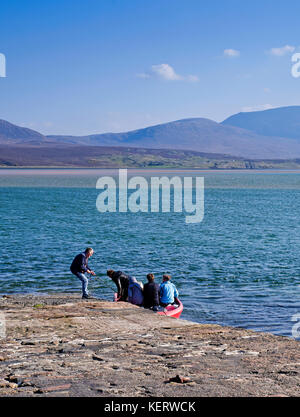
x: 160, y: 291
x: 130, y: 294
x: 176, y: 294
x: 83, y: 265
x: 119, y: 287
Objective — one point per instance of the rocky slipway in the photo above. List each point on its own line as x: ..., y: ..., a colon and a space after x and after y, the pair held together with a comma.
x: 60, y: 345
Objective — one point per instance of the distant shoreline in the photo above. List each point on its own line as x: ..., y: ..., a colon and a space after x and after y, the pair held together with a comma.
x: 93, y: 157
x: 94, y: 169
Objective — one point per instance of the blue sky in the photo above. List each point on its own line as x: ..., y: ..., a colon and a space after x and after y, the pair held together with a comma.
x: 81, y: 67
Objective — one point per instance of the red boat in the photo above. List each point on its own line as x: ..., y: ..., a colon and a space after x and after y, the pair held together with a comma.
x: 170, y: 311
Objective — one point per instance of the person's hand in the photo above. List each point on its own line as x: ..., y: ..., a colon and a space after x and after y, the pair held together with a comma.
x: 92, y: 273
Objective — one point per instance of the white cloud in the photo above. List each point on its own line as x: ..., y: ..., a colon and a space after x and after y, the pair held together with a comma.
x: 282, y: 51
x: 231, y: 53
x: 258, y: 107
x: 166, y: 72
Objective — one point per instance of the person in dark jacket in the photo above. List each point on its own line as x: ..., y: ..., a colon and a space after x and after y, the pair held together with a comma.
x: 79, y: 267
x: 151, y: 293
x: 122, y: 282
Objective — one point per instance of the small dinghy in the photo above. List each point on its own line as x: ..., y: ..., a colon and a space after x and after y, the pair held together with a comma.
x: 172, y: 310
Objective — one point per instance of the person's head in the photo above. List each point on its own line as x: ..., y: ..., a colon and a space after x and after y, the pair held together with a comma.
x: 110, y: 273
x: 89, y: 252
x: 166, y: 278
x: 150, y: 277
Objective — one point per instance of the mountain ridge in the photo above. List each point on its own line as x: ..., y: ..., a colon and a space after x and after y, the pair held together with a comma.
x: 10, y: 132
x: 195, y: 134
x: 278, y: 122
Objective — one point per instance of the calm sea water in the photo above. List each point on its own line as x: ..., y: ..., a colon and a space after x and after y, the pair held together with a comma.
x: 239, y: 267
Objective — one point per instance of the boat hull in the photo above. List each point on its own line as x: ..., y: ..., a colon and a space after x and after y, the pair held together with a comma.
x: 170, y: 310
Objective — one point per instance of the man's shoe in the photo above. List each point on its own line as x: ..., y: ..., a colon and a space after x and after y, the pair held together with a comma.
x: 85, y: 297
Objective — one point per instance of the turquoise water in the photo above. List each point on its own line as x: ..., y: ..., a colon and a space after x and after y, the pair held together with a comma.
x: 239, y: 267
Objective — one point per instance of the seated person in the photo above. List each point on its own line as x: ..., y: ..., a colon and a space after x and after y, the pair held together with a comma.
x: 151, y: 293
x: 168, y: 292
x: 122, y: 281
x: 135, y: 292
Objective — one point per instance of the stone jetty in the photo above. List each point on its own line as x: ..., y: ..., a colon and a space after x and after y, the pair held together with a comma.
x: 61, y: 345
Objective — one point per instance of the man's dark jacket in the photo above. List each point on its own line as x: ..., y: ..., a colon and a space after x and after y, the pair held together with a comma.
x: 151, y: 294
x: 122, y: 281
x: 79, y: 264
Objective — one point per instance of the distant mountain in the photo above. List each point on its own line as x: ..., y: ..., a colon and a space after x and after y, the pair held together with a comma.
x: 282, y: 121
x: 197, y: 134
x: 12, y: 134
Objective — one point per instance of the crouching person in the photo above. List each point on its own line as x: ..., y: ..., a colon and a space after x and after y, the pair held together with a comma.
x: 151, y: 293
x: 122, y: 281
x: 135, y: 292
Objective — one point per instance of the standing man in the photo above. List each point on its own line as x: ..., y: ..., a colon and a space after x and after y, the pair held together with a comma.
x: 122, y: 282
x: 151, y: 293
x: 168, y: 292
x: 79, y: 267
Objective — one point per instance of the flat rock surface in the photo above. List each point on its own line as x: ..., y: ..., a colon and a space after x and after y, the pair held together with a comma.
x: 61, y: 345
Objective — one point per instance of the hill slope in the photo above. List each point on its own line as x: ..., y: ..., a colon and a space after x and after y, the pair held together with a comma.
x: 10, y: 134
x: 80, y: 156
x: 197, y: 134
x: 282, y: 121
